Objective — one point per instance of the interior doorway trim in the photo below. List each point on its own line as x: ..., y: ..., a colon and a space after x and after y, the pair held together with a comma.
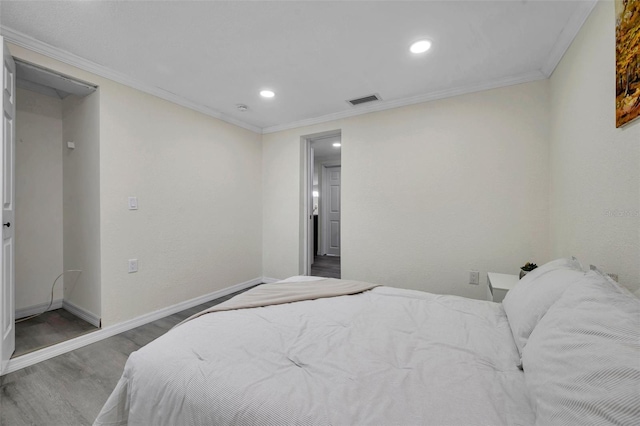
x: 306, y: 198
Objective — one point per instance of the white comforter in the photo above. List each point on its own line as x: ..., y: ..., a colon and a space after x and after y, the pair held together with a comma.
x: 385, y: 356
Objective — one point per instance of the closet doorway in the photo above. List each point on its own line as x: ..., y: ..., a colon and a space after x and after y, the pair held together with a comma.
x: 57, y: 235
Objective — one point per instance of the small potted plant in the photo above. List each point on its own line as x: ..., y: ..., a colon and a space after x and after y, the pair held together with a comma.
x: 528, y: 267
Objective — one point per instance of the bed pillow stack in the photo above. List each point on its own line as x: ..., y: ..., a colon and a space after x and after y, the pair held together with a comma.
x: 534, y: 294
x: 582, y: 360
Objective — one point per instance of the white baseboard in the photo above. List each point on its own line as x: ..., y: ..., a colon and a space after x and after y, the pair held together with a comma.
x: 81, y: 313
x: 268, y: 280
x: 93, y: 337
x: 37, y: 309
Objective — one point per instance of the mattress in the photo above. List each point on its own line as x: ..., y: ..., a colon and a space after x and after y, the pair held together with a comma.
x: 383, y: 356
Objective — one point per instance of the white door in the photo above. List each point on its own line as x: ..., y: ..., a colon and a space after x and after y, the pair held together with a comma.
x: 333, y: 211
x: 7, y: 308
x: 310, y: 253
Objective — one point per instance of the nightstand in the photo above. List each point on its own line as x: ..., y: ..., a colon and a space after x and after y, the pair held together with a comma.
x: 499, y: 285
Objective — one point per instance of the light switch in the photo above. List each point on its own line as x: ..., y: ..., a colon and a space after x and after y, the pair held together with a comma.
x: 133, y: 203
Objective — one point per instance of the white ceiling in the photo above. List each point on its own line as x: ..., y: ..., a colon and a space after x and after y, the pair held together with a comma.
x: 315, y: 55
x: 323, y: 147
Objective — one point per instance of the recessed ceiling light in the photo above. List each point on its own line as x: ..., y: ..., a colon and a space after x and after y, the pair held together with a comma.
x: 420, y: 46
x: 337, y: 144
x: 267, y: 94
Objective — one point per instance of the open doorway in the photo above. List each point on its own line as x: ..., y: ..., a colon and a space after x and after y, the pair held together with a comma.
x: 56, y: 175
x: 326, y: 160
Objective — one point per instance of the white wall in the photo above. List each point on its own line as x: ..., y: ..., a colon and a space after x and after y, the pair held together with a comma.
x: 430, y: 191
x: 38, y: 256
x: 595, y: 168
x: 198, y: 181
x: 81, y: 195
x: 483, y: 181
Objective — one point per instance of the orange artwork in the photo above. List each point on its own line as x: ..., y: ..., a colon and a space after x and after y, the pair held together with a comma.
x: 627, y: 60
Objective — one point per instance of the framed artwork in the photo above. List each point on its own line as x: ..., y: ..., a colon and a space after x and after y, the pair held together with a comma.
x: 627, y: 61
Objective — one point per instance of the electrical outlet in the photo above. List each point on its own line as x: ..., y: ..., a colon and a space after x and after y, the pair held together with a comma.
x: 474, y: 277
x: 133, y: 265
x: 133, y: 203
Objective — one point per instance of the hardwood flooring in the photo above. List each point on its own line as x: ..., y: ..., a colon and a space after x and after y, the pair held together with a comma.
x: 48, y: 329
x: 326, y: 266
x: 70, y: 389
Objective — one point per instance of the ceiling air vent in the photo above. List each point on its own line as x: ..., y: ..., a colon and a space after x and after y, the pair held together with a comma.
x: 364, y: 100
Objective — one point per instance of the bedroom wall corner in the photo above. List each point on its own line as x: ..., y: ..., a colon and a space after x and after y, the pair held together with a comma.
x: 281, y: 201
x: 198, y: 180
x: 198, y: 225
x: 429, y: 191
x: 595, y: 167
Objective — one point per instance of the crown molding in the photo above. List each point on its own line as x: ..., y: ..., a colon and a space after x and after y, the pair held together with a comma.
x: 568, y: 33
x: 563, y: 42
x: 555, y: 56
x: 30, y: 43
x: 397, y: 103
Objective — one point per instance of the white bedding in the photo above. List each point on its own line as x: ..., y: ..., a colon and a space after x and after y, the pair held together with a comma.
x: 385, y: 356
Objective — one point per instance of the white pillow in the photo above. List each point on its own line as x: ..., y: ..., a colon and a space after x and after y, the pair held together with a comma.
x: 529, y: 300
x: 582, y: 361
x: 606, y: 277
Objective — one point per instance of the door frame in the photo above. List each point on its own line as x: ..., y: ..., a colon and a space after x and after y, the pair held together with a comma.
x: 306, y: 198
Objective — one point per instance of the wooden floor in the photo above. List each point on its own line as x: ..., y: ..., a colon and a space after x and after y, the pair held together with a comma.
x: 326, y: 266
x: 48, y: 329
x: 71, y: 389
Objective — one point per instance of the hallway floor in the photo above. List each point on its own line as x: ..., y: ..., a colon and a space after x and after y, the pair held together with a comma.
x: 326, y: 266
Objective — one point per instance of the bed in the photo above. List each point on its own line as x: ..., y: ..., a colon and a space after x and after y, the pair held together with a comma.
x: 323, y: 351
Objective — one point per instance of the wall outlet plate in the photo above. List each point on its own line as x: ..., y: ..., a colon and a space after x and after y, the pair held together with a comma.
x: 474, y: 277
x: 133, y: 265
x: 133, y: 203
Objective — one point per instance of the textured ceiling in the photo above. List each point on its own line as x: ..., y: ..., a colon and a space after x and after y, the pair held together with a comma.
x: 314, y: 55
